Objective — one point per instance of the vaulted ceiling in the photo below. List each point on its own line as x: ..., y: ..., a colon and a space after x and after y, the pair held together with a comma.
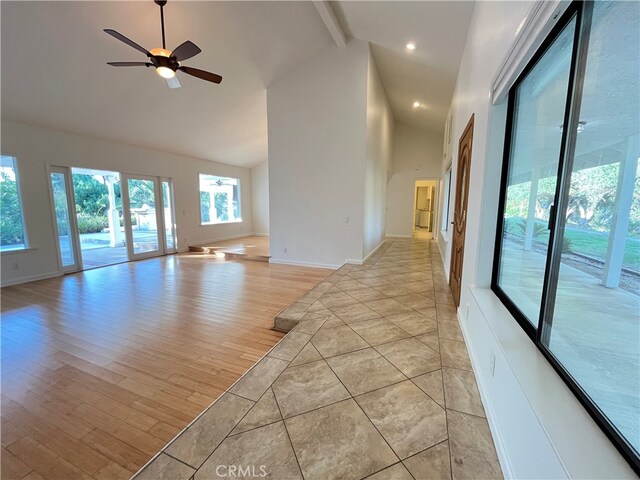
x: 425, y: 75
x: 54, y: 70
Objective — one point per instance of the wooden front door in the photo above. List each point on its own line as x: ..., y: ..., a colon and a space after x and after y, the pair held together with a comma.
x: 460, y: 212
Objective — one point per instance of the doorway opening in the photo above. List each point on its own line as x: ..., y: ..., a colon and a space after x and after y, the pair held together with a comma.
x: 424, y: 209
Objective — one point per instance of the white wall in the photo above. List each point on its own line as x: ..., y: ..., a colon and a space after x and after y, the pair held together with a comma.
x: 35, y: 148
x: 379, y: 155
x: 260, y: 198
x: 417, y: 155
x: 540, y: 428
x: 445, y: 194
x: 317, y: 144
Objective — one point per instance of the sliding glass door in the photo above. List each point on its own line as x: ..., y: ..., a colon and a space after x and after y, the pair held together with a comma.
x: 567, y: 261
x: 102, y: 218
x: 65, y: 225
x: 168, y: 216
x: 143, y: 216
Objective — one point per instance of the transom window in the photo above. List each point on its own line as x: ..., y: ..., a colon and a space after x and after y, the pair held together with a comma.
x: 12, y: 231
x: 567, y: 261
x: 219, y: 199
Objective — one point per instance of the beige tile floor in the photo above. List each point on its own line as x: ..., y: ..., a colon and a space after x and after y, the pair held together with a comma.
x: 374, y: 381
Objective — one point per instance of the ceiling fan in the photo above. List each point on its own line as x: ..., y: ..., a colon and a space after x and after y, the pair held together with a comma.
x: 165, y: 62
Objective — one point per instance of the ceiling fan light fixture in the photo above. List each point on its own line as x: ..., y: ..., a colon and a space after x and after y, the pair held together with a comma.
x: 165, y: 72
x: 160, y: 52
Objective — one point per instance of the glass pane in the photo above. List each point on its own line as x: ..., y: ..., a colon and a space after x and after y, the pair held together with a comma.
x: 99, y: 216
x: 219, y: 199
x: 168, y: 215
x: 142, y: 203
x: 61, y: 206
x: 596, y: 323
x: 533, y: 164
x: 11, y: 230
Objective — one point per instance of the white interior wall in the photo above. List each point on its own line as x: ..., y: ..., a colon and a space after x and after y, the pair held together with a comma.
x: 416, y: 155
x: 317, y: 146
x: 260, y: 198
x: 36, y: 147
x: 380, y: 126
x: 540, y: 428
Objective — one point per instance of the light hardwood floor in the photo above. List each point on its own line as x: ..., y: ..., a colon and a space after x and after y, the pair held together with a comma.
x: 101, y: 369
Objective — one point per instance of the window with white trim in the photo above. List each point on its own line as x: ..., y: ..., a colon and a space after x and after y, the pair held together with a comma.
x: 219, y: 200
x: 12, y: 230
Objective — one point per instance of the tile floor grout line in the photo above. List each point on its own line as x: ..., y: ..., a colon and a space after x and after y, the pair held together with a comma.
x: 365, y: 413
x: 284, y: 424
x: 444, y: 396
x: 181, y: 461
x: 467, y: 413
x: 246, y: 413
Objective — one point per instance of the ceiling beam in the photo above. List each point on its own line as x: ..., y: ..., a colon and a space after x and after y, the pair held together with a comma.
x: 331, y: 22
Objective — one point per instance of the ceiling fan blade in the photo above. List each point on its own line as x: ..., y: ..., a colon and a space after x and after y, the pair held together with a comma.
x: 208, y: 76
x: 124, y: 39
x: 173, y: 82
x: 185, y: 51
x: 130, y: 64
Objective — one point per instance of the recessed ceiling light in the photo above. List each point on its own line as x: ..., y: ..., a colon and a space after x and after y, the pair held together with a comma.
x: 411, y: 46
x: 416, y: 104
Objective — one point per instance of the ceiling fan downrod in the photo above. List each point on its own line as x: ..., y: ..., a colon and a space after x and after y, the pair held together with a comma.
x: 162, y: 3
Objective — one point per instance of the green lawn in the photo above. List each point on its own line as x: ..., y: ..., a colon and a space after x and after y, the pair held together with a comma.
x: 594, y: 244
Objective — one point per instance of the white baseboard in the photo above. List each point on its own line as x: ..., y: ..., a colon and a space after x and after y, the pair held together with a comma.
x: 30, y: 278
x: 353, y: 261
x: 399, y: 236
x: 372, y: 252
x: 304, y: 264
x: 260, y: 234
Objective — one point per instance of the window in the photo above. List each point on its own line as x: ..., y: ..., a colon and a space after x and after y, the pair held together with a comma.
x: 219, y: 200
x: 446, y: 197
x: 12, y: 231
x: 567, y: 261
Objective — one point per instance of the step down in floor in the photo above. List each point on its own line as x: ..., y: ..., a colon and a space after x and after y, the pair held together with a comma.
x: 221, y: 252
x: 307, y: 307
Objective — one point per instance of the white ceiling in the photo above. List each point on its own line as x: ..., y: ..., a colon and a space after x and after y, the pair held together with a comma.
x: 427, y: 74
x: 54, y: 70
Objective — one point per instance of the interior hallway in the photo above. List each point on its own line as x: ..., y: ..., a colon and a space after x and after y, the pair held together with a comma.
x: 100, y: 369
x: 373, y: 381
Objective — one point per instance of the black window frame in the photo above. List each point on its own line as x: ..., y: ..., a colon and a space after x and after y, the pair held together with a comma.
x: 582, y: 10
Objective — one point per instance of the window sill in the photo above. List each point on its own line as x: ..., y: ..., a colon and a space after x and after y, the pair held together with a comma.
x: 17, y: 251
x: 220, y: 223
